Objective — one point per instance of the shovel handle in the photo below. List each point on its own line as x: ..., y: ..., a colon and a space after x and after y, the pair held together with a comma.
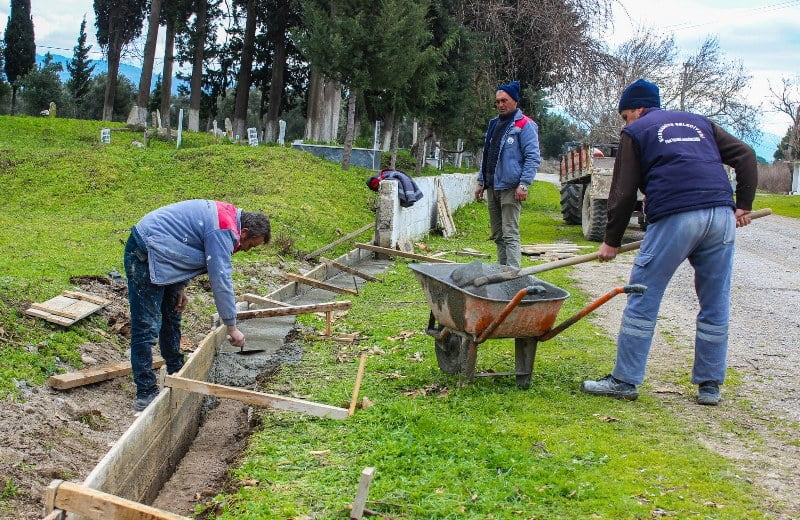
x: 510, y: 275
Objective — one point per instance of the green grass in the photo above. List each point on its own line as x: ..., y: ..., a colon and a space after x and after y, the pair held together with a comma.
x: 485, y: 450
x: 786, y: 205
x: 70, y: 201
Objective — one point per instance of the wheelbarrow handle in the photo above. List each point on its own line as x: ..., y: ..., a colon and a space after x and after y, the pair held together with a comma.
x: 510, y: 275
x: 510, y: 306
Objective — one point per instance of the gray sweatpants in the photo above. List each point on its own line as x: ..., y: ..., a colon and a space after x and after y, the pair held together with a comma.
x: 504, y: 211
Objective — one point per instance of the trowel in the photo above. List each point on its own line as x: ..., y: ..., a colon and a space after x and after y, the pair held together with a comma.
x: 243, y: 352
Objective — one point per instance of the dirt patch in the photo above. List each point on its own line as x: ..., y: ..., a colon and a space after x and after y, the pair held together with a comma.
x: 757, y: 424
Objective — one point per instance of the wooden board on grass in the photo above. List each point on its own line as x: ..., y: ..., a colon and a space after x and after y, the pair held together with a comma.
x: 67, y: 308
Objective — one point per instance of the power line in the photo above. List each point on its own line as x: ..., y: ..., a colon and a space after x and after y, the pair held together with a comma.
x: 741, y: 11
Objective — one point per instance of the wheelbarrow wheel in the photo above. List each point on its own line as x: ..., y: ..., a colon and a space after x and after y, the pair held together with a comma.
x: 452, y: 354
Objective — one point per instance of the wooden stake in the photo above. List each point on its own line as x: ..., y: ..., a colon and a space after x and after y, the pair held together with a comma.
x: 294, y: 310
x: 97, y: 505
x: 357, y: 386
x: 348, y: 269
x: 256, y: 398
x: 361, y: 495
x: 395, y: 252
x: 337, y: 242
x: 316, y: 283
x: 94, y: 375
x: 328, y: 321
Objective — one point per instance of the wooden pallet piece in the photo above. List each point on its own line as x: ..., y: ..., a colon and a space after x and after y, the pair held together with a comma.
x: 316, y: 283
x: 88, y: 376
x: 348, y: 269
x: 294, y: 310
x: 97, y: 505
x: 257, y: 398
x: 363, y: 490
x: 339, y: 241
x: 67, y: 308
x: 395, y: 252
x: 443, y: 212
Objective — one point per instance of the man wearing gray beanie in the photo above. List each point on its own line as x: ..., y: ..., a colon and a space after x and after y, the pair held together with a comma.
x: 510, y: 160
x: 676, y: 159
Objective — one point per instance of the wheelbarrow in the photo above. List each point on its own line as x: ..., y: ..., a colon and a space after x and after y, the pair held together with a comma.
x: 524, y: 308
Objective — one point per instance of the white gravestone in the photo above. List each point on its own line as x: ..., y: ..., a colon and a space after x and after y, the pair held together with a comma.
x: 105, y: 136
x: 795, y: 179
x: 252, y: 137
x: 281, y: 131
x: 180, y: 128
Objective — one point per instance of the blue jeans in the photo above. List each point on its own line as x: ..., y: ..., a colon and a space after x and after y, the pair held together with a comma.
x: 153, y: 318
x: 705, y: 237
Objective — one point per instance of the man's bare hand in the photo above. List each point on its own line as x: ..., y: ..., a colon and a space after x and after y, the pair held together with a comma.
x: 180, y: 304
x: 607, y: 252
x: 479, y: 193
x: 235, y: 336
x: 742, y: 218
x: 520, y: 194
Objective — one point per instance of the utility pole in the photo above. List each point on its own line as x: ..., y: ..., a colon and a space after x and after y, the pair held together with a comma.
x: 684, y: 81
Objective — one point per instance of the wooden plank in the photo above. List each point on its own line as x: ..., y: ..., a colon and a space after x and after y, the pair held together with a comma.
x: 445, y: 218
x: 339, y: 241
x: 257, y: 398
x: 96, y: 374
x: 348, y: 269
x: 93, y: 298
x: 58, y: 320
x: 65, y: 312
x: 55, y: 514
x: 363, y: 490
x: 316, y: 283
x: 50, y: 495
x: 294, y: 310
x: 395, y: 252
x: 263, y: 300
x: 94, y: 504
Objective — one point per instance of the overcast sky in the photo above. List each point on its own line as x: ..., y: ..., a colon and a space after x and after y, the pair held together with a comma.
x: 763, y: 34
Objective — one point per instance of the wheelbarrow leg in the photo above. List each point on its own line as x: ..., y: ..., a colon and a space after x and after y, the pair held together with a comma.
x: 524, y: 355
x: 472, y: 357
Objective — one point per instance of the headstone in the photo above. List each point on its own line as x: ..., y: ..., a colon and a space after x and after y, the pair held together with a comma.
x: 216, y: 130
x: 459, y: 152
x: 158, y: 118
x: 795, y: 178
x: 281, y: 131
x: 376, y: 140
x: 52, y: 110
x: 105, y: 136
x: 180, y: 127
x: 229, y: 128
x: 252, y: 137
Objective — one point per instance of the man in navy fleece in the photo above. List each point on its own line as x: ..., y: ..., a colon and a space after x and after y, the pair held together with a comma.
x: 167, y: 248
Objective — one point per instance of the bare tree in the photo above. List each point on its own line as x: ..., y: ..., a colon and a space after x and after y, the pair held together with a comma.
x: 786, y: 99
x: 703, y: 83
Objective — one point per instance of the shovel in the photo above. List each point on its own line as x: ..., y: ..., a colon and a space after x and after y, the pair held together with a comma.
x: 519, y: 273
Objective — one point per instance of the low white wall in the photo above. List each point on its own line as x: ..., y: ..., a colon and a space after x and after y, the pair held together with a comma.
x: 396, y: 224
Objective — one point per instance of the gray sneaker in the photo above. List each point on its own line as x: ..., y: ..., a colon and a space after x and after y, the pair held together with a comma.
x: 143, y: 402
x: 708, y: 393
x: 611, y: 387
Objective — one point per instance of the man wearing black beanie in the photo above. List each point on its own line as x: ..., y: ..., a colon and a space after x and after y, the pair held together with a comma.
x: 676, y: 159
x: 510, y: 160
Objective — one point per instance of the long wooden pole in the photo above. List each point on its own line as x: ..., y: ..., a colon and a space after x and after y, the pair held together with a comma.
x: 294, y: 310
x: 357, y: 387
x: 337, y: 242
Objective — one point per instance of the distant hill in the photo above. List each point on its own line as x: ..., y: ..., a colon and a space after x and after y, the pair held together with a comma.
x: 101, y: 66
x: 769, y: 143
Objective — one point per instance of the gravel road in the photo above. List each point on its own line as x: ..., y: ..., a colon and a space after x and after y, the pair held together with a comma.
x: 757, y: 425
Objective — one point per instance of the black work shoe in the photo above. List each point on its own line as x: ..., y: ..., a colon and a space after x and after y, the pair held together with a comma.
x: 610, y: 386
x: 708, y: 393
x: 143, y: 402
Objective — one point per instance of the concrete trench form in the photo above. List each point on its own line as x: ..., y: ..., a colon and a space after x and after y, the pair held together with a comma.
x: 150, y: 452
x: 147, y: 455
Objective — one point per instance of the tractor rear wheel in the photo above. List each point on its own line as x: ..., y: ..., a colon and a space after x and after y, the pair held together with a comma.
x: 571, y: 198
x: 594, y: 216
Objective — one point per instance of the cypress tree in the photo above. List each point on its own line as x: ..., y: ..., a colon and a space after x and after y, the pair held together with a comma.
x: 20, y: 51
x: 79, y: 70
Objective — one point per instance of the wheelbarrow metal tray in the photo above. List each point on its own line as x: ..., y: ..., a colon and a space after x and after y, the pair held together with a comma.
x: 465, y: 311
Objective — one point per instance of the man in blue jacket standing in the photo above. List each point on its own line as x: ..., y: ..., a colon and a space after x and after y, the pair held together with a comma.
x: 167, y: 248
x: 676, y: 159
x: 510, y: 160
